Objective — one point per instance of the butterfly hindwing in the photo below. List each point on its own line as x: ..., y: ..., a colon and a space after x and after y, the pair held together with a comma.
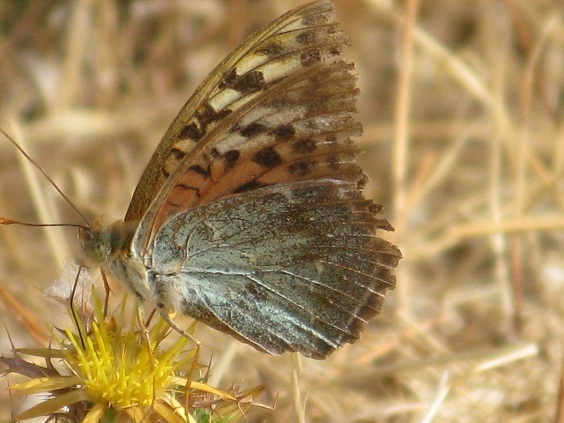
x: 305, y: 276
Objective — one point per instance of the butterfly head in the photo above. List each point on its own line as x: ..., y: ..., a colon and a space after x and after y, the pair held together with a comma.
x: 96, y: 241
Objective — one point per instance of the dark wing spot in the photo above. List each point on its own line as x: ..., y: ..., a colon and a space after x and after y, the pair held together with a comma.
x: 187, y: 188
x: 249, y: 186
x: 214, y: 153
x: 310, y: 57
x: 301, y: 168
x: 228, y: 79
x: 250, y: 82
x: 178, y: 153
x: 206, y: 114
x: 304, y: 146
x: 267, y: 157
x: 253, y: 130
x: 284, y: 132
x: 273, y: 48
x: 231, y: 158
x: 191, y: 131
x: 199, y: 169
x: 222, y: 115
x: 307, y: 37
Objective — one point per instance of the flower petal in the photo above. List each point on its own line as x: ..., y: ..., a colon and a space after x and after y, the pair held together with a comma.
x: 210, y: 389
x: 41, y: 352
x: 96, y: 413
x: 45, y: 384
x: 53, y: 405
x: 167, y: 413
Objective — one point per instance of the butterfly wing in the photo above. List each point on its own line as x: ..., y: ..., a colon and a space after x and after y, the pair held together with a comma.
x: 292, y: 267
x: 299, y: 129
x: 297, y: 40
x: 257, y: 225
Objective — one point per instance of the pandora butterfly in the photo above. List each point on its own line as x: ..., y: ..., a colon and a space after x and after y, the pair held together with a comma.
x: 249, y: 216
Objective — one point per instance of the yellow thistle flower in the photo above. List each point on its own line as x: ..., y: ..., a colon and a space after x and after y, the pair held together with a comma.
x: 114, y: 374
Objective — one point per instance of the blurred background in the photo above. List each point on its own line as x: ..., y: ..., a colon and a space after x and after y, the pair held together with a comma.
x: 462, y: 105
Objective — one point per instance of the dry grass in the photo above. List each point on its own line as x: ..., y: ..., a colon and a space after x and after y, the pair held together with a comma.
x: 464, y: 143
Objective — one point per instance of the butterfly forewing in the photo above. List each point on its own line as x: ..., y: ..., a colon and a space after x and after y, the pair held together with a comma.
x: 297, y: 40
x: 298, y: 130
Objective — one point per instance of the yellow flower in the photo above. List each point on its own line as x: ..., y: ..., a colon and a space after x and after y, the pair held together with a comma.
x: 114, y: 374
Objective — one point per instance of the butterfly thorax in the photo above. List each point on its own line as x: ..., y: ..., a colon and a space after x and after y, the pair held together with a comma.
x: 108, y: 246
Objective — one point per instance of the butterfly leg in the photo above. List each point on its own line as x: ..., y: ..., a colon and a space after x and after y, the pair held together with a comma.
x: 107, y: 290
x: 145, y: 336
x: 172, y: 324
x: 190, y: 377
x: 162, y: 311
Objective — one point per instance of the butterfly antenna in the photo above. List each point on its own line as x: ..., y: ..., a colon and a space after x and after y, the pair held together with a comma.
x: 74, y: 312
x: 69, y: 202
x: 6, y: 221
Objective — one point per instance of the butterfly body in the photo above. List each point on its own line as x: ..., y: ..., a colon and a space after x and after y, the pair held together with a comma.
x: 108, y: 247
x: 249, y: 216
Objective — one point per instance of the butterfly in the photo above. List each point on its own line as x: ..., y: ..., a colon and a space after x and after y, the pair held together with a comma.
x: 249, y: 216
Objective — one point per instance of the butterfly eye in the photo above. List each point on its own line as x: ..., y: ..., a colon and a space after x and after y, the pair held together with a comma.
x: 95, y: 242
